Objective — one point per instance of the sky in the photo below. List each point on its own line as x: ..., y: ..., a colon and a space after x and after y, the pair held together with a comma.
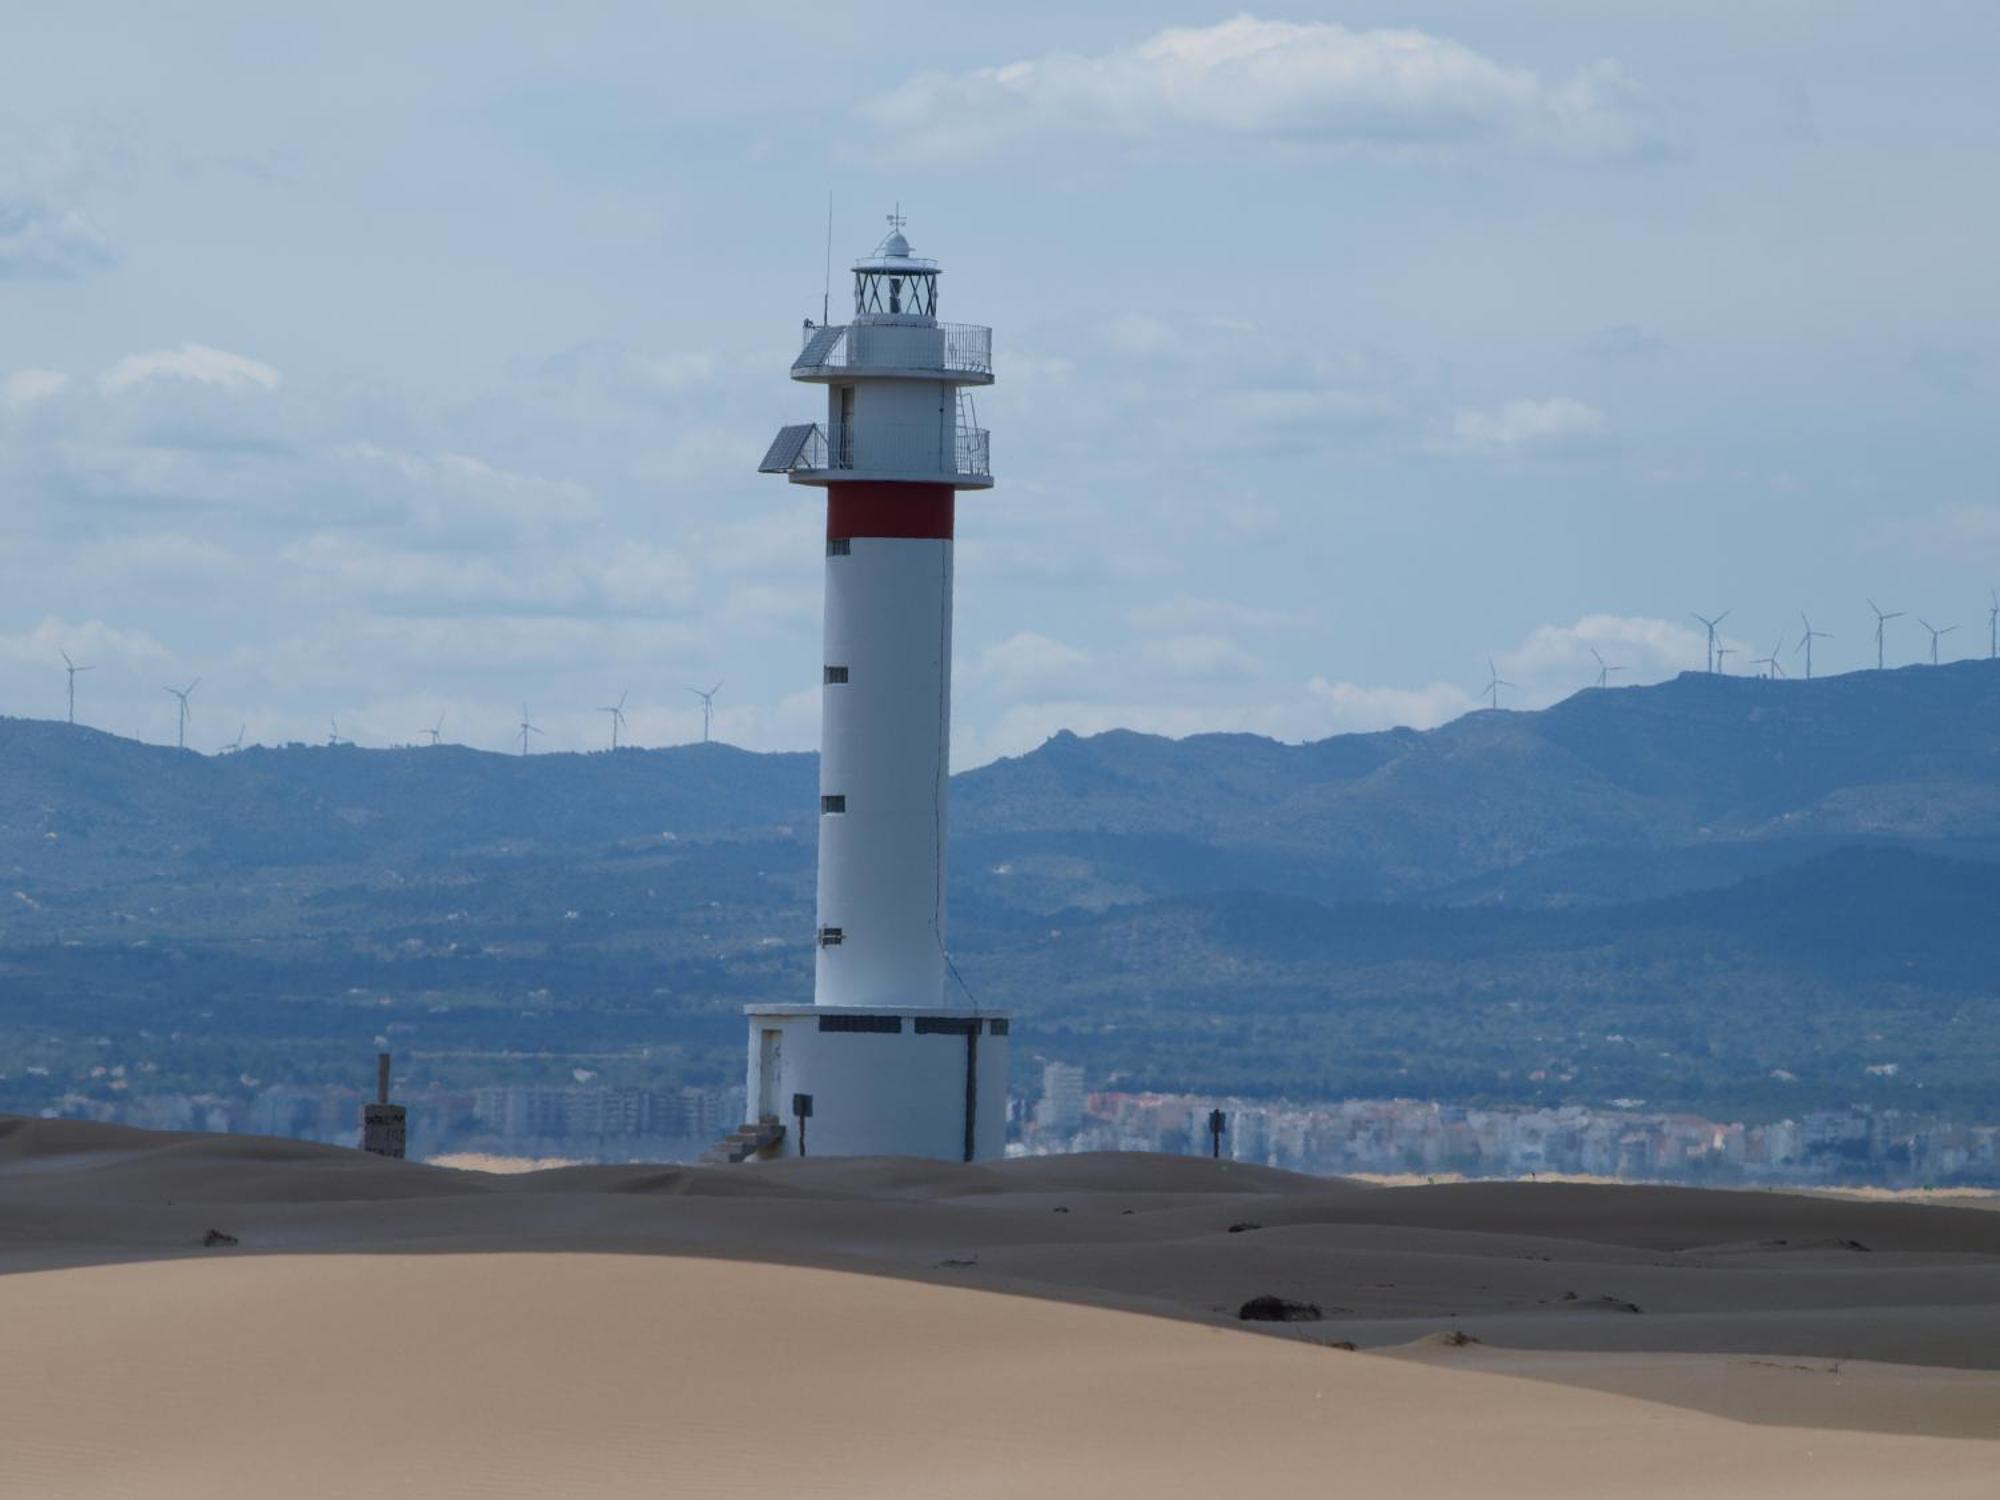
x: 398, y: 363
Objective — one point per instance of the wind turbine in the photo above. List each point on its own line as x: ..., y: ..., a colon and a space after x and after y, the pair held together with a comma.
x: 72, y: 668
x: 333, y: 734
x: 1722, y: 653
x: 181, y: 735
x: 708, y: 707
x: 1713, y: 659
x: 617, y: 712
x: 1993, y: 628
x: 436, y: 731
x: 1881, y: 619
x: 1777, y: 668
x: 1603, y: 671
x: 526, y: 729
x: 1494, y: 682
x: 1936, y: 632
x: 236, y: 744
x: 1805, y: 642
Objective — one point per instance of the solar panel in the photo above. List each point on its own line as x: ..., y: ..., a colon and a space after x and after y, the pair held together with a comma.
x: 819, y: 348
x: 785, y: 449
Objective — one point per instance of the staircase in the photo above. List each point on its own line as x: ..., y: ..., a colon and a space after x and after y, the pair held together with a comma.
x: 744, y: 1142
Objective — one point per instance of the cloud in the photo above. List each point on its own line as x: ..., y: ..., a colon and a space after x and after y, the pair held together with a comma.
x: 191, y: 362
x: 25, y: 386
x: 1956, y: 533
x: 1556, y: 424
x: 38, y: 241
x: 635, y: 579
x: 1351, y: 707
x: 458, y: 496
x: 1186, y: 614
x: 1275, y: 83
x: 1555, y: 660
x: 1199, y: 658
x: 91, y: 643
x: 1029, y: 662
x: 122, y: 561
x: 1255, y: 413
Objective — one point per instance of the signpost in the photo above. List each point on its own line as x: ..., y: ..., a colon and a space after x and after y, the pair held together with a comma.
x: 802, y: 1111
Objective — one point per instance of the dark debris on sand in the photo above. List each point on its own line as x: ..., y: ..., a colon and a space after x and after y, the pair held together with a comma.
x: 1269, y: 1309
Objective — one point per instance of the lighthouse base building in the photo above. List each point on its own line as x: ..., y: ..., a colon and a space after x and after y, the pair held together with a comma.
x: 888, y: 1060
x: 879, y: 1081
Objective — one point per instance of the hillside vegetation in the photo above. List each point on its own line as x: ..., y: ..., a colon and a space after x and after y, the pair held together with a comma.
x: 1722, y: 893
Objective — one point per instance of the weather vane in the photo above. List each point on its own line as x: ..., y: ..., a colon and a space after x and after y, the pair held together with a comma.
x: 896, y: 219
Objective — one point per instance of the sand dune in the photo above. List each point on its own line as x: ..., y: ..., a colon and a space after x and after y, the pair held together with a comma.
x: 494, y: 1375
x: 659, y: 1314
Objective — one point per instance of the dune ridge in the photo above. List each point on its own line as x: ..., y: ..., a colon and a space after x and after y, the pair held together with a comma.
x: 1759, y: 1333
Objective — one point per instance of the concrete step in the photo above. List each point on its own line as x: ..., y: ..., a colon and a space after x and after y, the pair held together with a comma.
x: 743, y: 1143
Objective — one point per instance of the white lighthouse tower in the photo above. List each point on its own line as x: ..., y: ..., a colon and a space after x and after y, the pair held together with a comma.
x: 889, y: 1059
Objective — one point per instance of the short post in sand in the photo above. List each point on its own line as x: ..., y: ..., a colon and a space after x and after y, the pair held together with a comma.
x: 1217, y: 1123
x: 384, y: 1126
x: 802, y: 1111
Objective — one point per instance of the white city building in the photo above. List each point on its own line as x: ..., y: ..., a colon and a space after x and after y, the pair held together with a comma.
x: 892, y: 1057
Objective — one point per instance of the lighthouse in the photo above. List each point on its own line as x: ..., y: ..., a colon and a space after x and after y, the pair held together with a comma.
x: 892, y: 1057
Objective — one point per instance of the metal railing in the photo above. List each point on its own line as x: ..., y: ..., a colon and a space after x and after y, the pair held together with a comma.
x: 967, y: 348
x: 974, y: 452
x: 971, y: 453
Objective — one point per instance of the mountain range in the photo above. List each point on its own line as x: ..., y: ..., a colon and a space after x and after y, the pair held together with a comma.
x: 1717, y: 892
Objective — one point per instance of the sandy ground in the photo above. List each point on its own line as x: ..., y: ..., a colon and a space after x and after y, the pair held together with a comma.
x: 562, y: 1374
x: 412, y: 1330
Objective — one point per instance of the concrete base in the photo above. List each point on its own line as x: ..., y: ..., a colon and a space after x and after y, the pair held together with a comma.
x: 880, y: 1080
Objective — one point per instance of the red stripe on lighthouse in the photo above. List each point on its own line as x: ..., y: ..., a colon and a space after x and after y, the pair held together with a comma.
x: 865, y: 508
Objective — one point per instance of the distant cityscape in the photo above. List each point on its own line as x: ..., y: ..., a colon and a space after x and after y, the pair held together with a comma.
x: 583, y: 1122
x: 1854, y: 1146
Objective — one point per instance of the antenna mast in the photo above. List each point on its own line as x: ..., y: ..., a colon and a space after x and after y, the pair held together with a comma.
x: 826, y: 289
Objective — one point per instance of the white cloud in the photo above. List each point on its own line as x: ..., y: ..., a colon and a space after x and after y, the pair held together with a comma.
x: 120, y: 561
x: 1199, y: 658
x: 1556, y: 660
x: 634, y: 579
x: 24, y: 386
x: 1141, y: 334
x: 454, y: 494
x: 1320, y: 410
x: 702, y: 455
x: 628, y: 374
x: 1554, y: 424
x: 38, y: 240
x: 91, y: 643
x: 191, y: 362
x: 639, y: 576
x: 1958, y: 533
x: 1277, y: 82
x: 1029, y: 662
x: 1186, y: 614
x: 1352, y: 708
x: 764, y: 610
